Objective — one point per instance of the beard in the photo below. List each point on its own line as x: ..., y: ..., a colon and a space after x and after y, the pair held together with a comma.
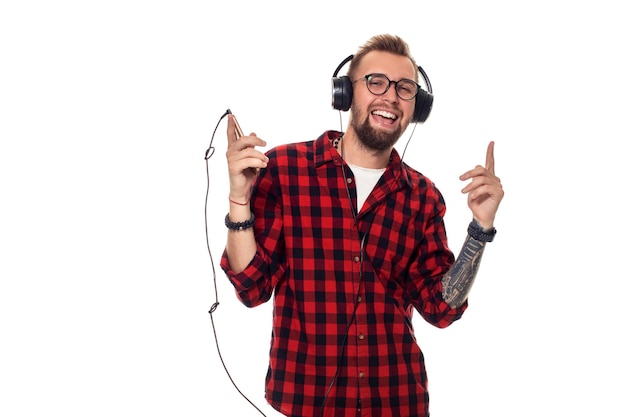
x: 371, y: 138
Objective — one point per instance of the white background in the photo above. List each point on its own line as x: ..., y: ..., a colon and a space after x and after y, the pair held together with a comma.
x: 107, y: 109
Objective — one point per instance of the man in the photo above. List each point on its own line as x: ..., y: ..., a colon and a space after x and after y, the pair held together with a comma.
x: 350, y: 240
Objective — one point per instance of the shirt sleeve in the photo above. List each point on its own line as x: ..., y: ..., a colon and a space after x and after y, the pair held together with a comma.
x: 433, y: 259
x: 255, y: 284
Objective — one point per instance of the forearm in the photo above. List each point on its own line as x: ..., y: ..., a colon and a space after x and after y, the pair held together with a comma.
x: 458, y: 281
x: 240, y: 244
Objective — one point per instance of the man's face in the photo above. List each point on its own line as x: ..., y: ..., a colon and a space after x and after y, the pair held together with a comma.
x: 379, y: 121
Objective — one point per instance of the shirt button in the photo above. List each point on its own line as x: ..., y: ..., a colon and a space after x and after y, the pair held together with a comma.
x: 357, y: 259
x: 358, y: 299
x: 349, y: 180
x: 361, y: 336
x: 361, y: 374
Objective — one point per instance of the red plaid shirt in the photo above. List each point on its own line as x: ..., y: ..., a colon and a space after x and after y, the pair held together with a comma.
x: 344, y: 292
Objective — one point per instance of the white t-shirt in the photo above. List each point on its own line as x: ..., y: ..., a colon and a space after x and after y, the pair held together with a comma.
x: 366, y: 179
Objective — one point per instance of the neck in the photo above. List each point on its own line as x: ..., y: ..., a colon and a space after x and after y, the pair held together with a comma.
x: 354, y: 152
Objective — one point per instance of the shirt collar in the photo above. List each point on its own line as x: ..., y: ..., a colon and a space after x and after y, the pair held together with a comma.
x: 325, y: 152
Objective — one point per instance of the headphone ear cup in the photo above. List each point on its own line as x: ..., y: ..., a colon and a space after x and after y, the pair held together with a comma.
x: 342, y: 93
x: 423, y: 105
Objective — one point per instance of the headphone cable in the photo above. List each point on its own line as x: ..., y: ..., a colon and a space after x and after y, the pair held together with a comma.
x: 209, y: 152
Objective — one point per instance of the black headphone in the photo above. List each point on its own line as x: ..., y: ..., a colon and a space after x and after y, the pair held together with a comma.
x: 342, y: 94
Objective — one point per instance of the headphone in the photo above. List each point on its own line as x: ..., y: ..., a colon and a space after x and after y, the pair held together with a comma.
x: 342, y: 94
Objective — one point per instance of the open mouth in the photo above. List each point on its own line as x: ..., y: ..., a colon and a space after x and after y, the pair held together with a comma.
x: 384, y: 117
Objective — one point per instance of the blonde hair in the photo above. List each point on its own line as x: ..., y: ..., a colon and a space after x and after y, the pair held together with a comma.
x: 385, y: 43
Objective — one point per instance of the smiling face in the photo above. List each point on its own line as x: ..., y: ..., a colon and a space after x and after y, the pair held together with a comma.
x: 380, y: 120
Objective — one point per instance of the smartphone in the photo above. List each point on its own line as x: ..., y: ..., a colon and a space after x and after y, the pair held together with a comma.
x: 238, y: 129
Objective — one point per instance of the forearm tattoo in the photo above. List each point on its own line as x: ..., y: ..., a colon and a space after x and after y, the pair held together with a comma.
x: 458, y: 281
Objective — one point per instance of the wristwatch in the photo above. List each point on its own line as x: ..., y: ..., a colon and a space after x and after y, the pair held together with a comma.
x: 480, y: 234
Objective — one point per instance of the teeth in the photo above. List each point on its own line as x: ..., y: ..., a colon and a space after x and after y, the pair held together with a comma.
x: 385, y: 114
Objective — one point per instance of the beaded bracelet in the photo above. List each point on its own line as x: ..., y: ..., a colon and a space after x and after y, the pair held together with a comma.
x: 239, y: 225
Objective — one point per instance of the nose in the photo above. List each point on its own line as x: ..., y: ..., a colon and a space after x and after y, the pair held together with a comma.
x: 392, y: 93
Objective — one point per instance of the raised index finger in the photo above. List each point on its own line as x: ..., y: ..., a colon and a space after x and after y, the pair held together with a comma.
x: 490, y: 163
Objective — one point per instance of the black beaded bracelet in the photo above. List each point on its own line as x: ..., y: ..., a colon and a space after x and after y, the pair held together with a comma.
x: 239, y: 225
x: 479, y: 234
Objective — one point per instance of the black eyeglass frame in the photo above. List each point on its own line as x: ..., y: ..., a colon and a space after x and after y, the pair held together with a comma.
x: 389, y: 82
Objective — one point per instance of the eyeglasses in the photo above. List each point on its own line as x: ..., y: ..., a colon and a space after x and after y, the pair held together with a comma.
x: 378, y: 84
